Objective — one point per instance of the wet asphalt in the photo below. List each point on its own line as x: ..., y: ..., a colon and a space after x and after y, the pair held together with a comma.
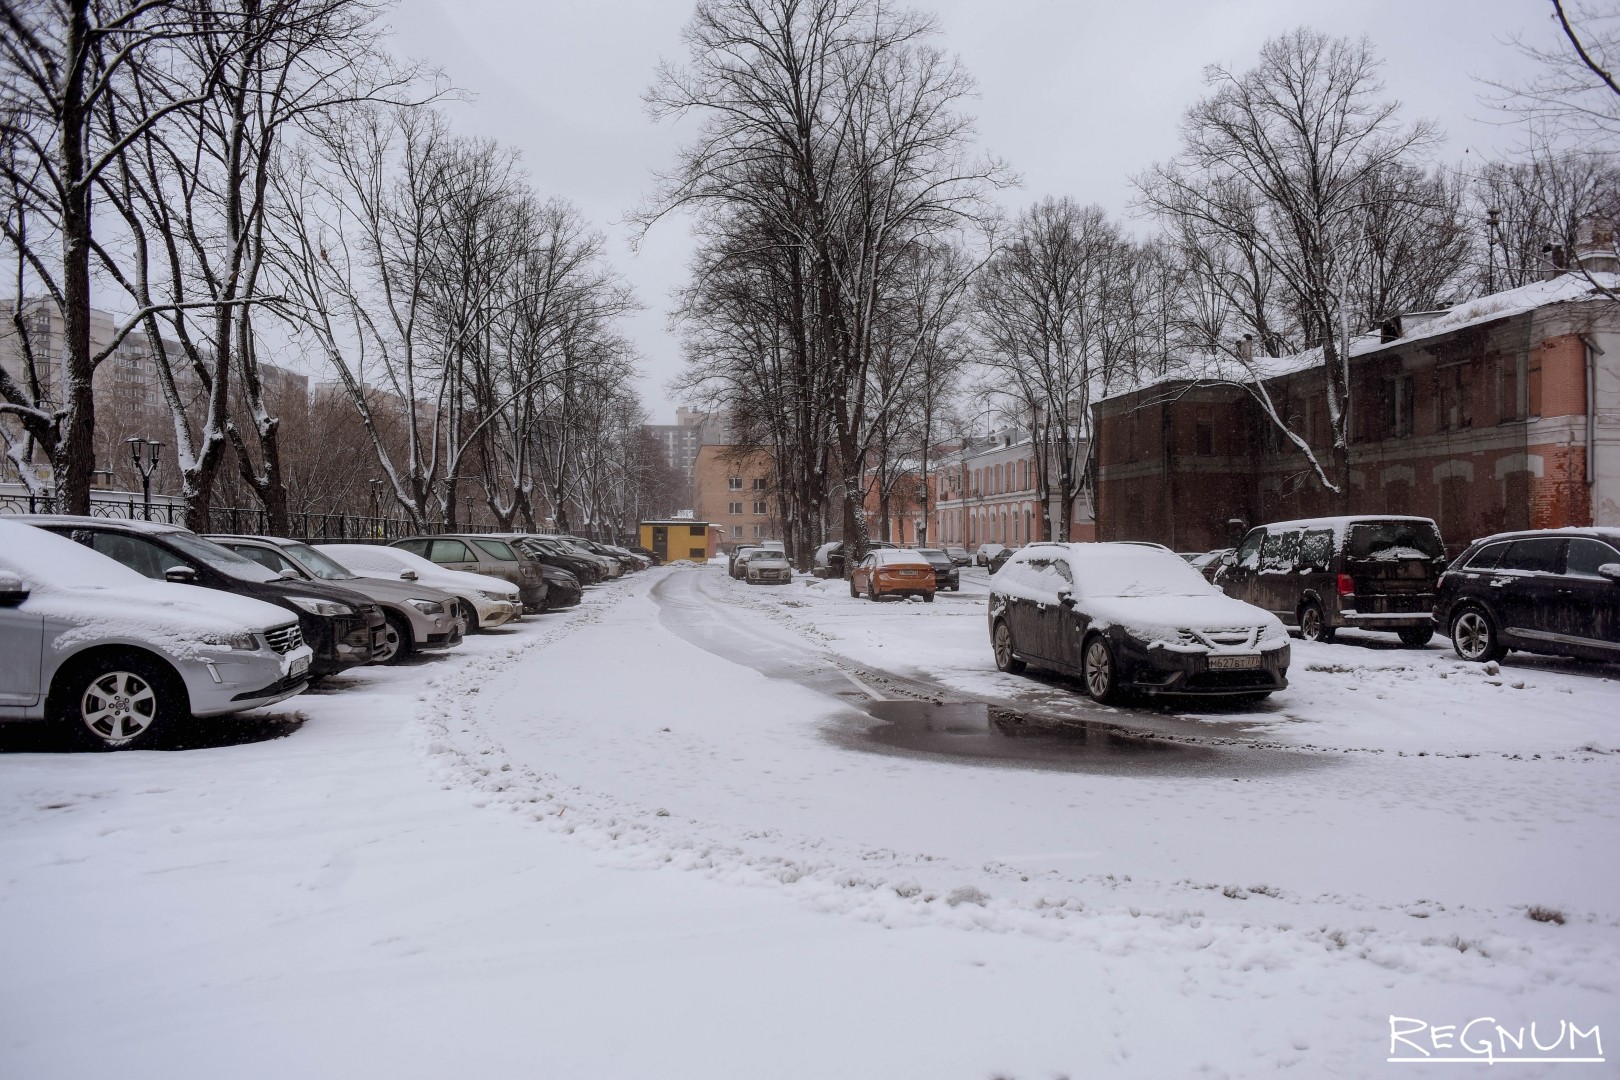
x: 1047, y: 724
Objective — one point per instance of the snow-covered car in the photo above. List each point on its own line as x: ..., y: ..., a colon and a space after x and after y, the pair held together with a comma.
x: 89, y: 642
x: 562, y: 587
x: 476, y: 553
x: 420, y: 618
x: 1131, y: 617
x: 343, y: 627
x: 946, y: 574
x: 768, y: 566
x: 985, y: 552
x: 959, y: 555
x: 485, y: 601
x: 1321, y: 574
x: 893, y: 572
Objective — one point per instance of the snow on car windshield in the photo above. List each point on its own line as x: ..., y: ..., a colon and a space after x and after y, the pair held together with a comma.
x: 43, y: 559
x: 1132, y: 570
x: 220, y: 558
x: 375, y: 558
x: 316, y: 563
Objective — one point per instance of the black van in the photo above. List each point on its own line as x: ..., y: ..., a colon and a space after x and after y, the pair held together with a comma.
x: 1321, y: 574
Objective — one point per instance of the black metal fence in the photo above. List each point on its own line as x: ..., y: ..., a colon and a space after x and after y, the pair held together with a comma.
x: 248, y: 521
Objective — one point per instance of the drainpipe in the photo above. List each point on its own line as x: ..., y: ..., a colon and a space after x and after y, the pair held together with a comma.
x: 1592, y: 353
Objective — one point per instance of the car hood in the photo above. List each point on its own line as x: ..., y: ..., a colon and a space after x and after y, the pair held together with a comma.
x: 175, y: 618
x: 1212, y: 611
x: 395, y: 591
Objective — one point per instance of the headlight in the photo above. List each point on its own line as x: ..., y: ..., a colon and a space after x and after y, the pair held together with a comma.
x: 241, y: 642
x: 321, y: 607
x: 427, y: 607
x: 499, y: 598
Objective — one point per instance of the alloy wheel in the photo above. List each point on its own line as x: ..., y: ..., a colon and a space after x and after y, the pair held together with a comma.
x: 1472, y: 636
x: 118, y: 706
x: 390, y: 645
x: 1099, y: 670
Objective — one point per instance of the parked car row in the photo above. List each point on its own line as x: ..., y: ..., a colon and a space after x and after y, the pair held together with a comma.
x: 121, y: 627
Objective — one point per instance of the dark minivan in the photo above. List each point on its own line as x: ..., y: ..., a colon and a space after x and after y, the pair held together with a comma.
x: 1324, y: 574
x: 340, y: 626
x: 1544, y: 591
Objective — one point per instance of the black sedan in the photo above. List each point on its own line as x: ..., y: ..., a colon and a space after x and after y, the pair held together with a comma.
x: 562, y: 588
x: 341, y: 626
x: 946, y: 575
x: 1555, y: 592
x: 1131, y: 617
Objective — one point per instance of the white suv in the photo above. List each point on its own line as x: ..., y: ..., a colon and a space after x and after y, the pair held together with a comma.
x: 88, y: 641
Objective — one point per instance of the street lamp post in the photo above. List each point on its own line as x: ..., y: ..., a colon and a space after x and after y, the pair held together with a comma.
x: 147, y: 455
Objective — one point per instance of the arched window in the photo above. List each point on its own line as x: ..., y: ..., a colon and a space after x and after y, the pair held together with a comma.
x: 1023, y: 476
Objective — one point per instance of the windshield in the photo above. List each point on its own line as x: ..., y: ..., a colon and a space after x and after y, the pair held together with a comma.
x: 1132, y: 570
x: 316, y: 563
x: 220, y: 558
x: 1387, y: 540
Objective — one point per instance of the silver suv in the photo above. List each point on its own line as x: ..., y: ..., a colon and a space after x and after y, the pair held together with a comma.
x: 87, y: 641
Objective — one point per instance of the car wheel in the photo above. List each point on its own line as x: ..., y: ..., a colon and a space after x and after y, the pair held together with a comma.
x: 1001, y: 641
x: 1313, y: 624
x: 853, y: 591
x: 397, y: 640
x: 472, y: 617
x: 928, y: 598
x: 1100, y: 674
x: 1473, y: 635
x: 871, y: 589
x: 1415, y: 637
x: 121, y: 701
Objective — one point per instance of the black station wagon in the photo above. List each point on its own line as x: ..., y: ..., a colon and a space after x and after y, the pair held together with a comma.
x: 1552, y: 592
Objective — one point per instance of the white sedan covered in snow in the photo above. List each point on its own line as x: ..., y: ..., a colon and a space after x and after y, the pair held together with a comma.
x: 490, y: 601
x: 88, y: 641
x: 1131, y: 617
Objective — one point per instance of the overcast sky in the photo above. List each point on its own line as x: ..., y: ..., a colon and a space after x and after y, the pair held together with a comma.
x: 1075, y: 96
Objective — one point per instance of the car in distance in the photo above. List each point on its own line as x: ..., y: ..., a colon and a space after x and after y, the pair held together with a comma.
x: 1131, y: 618
x: 1207, y: 563
x: 1555, y: 592
x: 485, y: 602
x: 893, y: 572
x: 768, y: 566
x: 1324, y: 574
x: 959, y: 555
x: 88, y: 642
x: 985, y: 552
x: 420, y: 618
x: 342, y: 627
x: 476, y: 553
x: 737, y: 561
x: 999, y: 559
x: 562, y: 587
x: 583, y: 565
x: 946, y: 575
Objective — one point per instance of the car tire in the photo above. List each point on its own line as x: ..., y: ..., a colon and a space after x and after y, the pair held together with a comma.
x: 1313, y: 624
x: 1001, y: 643
x: 120, y: 701
x: 928, y: 598
x: 472, y: 618
x: 871, y: 590
x: 853, y: 591
x: 1473, y: 635
x: 1416, y: 637
x: 398, y: 641
x: 1098, y: 670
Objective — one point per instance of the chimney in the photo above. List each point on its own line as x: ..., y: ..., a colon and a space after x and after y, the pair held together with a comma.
x: 1594, y: 246
x: 1245, y: 347
x: 1560, y: 261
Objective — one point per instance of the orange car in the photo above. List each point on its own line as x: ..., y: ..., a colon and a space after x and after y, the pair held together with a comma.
x: 893, y: 572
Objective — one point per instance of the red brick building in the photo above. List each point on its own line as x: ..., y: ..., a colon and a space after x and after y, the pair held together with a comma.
x: 1500, y: 413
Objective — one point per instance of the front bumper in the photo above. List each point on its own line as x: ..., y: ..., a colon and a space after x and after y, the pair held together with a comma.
x: 222, y: 682
x: 534, y: 598
x: 498, y: 613
x: 1167, y: 671
x: 776, y: 577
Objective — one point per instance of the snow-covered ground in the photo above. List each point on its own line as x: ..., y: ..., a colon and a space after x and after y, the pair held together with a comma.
x: 596, y: 845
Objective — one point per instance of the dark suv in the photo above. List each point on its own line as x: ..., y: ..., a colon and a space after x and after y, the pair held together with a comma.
x: 1553, y: 592
x: 1322, y: 574
x: 342, y: 627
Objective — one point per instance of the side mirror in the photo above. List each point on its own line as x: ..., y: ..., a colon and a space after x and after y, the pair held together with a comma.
x: 1229, y: 559
x: 180, y: 575
x: 407, y: 575
x: 1610, y: 570
x: 289, y: 575
x: 12, y: 590
x: 1066, y: 598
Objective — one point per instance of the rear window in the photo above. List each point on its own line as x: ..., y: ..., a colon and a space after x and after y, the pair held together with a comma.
x: 1391, y: 540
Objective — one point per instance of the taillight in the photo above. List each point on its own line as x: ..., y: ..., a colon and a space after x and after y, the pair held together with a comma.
x: 1347, y: 587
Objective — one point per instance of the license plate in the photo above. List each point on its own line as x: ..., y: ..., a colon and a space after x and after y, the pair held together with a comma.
x: 1233, y: 663
x: 299, y: 668
x: 908, y: 573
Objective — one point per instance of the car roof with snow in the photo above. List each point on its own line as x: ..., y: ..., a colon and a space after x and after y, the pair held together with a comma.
x: 132, y: 524
x: 1610, y: 533
x: 897, y: 557
x: 1340, y: 523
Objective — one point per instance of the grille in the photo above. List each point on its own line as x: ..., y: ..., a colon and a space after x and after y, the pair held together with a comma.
x: 284, y: 639
x: 1230, y: 680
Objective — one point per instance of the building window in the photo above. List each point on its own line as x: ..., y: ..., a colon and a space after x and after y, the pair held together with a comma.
x: 1204, y: 438
x: 1513, y: 388
x: 759, y: 531
x: 759, y: 506
x: 1398, y: 406
x: 734, y: 508
x: 1452, y: 412
x: 759, y: 483
x: 734, y: 483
